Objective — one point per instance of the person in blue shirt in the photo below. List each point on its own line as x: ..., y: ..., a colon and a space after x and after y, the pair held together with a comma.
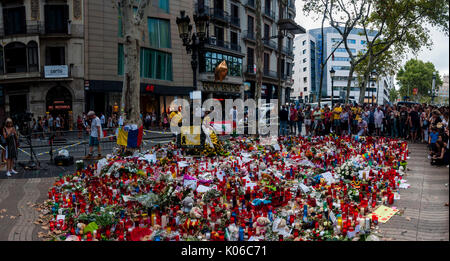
x: 432, y: 139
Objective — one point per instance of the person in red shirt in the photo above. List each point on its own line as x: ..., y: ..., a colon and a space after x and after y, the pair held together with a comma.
x: 293, y: 119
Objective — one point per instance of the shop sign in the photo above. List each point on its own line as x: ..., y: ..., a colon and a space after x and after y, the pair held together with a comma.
x: 221, y: 87
x: 56, y: 71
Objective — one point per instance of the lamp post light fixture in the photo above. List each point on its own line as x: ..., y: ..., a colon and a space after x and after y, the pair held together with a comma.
x: 332, y: 72
x: 193, y: 41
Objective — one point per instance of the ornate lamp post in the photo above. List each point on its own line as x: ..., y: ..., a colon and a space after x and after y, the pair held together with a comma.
x: 332, y: 72
x: 193, y: 41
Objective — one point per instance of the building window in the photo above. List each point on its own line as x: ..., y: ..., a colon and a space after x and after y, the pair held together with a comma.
x: 351, y: 41
x: 15, y: 57
x: 304, y: 60
x: 120, y: 58
x: 346, y: 68
x: 210, y: 60
x: 266, y: 62
x: 33, y: 64
x: 341, y: 59
x: 120, y: 24
x: 305, y: 79
x: 304, y: 42
x: 250, y: 60
x: 2, y: 66
x: 14, y: 20
x: 164, y: 5
x: 159, y: 33
x: 56, y: 18
x: 343, y: 50
x: 156, y: 64
x: 305, y: 68
x: 304, y: 51
x: 363, y: 42
x: 55, y: 56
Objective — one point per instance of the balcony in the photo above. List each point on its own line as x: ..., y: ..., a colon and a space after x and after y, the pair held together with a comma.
x: 269, y: 14
x: 250, y: 4
x: 202, y: 10
x: 224, y: 44
x: 235, y: 21
x: 270, y: 44
x: 219, y: 15
x: 32, y: 27
x: 38, y: 28
x: 270, y: 74
x: 288, y: 51
x: 249, y: 35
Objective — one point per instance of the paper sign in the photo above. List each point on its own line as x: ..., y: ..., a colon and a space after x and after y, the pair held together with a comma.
x: 404, y: 186
x: 220, y: 175
x: 190, y: 183
x: 250, y: 185
x: 58, y: 217
x: 304, y: 188
x: 202, y: 189
x: 182, y: 164
x: 328, y: 177
x: 332, y: 217
x: 396, y: 196
x: 384, y: 213
x: 150, y: 158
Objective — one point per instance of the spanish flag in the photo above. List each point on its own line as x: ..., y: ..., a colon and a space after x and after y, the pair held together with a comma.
x: 130, y: 138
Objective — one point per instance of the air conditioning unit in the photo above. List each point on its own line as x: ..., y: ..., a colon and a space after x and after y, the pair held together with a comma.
x: 212, y: 40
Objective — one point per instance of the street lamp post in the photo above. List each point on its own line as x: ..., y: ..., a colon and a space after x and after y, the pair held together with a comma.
x: 433, y: 88
x: 332, y: 72
x: 193, y: 41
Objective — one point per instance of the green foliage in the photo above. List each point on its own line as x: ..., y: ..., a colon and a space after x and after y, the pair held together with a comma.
x: 417, y: 74
x: 393, y: 95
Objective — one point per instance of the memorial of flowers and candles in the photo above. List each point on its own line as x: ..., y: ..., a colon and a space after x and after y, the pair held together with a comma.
x: 296, y: 188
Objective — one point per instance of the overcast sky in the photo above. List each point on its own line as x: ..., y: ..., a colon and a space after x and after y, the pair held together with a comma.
x: 438, y: 55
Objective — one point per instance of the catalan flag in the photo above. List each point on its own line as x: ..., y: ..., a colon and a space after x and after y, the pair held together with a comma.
x: 129, y: 137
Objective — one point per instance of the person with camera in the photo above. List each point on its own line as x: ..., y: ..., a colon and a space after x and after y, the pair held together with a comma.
x: 12, y: 142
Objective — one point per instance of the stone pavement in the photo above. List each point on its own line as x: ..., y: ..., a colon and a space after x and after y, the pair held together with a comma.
x: 425, y: 215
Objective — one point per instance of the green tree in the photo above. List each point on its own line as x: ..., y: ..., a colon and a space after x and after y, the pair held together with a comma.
x: 417, y: 74
x: 393, y: 95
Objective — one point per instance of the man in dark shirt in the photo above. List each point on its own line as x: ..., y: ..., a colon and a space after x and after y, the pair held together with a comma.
x: 403, y: 120
x: 415, y: 123
x: 284, y: 116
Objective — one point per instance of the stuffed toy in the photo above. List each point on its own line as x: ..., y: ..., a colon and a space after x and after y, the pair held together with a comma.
x: 261, y: 225
x: 187, y: 203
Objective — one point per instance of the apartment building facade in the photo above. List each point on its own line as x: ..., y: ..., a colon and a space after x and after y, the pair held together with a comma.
x: 165, y: 67
x: 41, y: 58
x: 308, y: 51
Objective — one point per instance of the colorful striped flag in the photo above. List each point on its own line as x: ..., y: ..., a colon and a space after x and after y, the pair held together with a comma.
x: 130, y: 138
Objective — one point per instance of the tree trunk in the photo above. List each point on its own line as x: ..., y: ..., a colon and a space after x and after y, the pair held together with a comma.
x: 259, y: 56
x: 349, y: 82
x: 366, y: 79
x: 130, y: 104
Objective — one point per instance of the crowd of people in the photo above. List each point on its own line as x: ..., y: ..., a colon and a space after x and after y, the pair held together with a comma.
x: 417, y: 123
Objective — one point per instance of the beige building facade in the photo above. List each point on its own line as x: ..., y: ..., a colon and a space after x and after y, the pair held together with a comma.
x: 41, y: 58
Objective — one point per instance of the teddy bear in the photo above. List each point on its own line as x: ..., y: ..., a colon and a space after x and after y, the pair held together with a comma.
x: 188, y: 203
x: 261, y: 225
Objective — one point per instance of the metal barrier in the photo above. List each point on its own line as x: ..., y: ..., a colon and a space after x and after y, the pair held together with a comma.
x: 80, y: 148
